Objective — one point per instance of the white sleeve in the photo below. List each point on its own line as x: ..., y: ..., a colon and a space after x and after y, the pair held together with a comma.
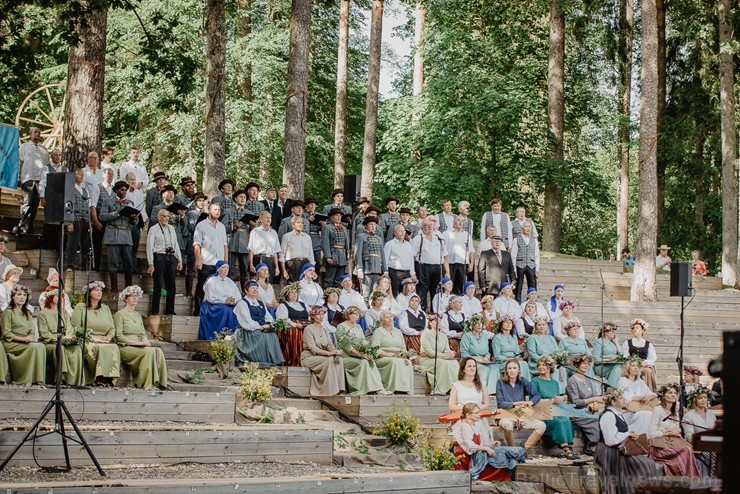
x: 652, y: 356
x: 213, y: 293
x: 241, y: 311
x: 656, y: 421
x: 42, y: 182
x: 198, y: 236
x: 327, y: 324
x: 403, y: 325
x: 483, y: 227
x: 536, y: 253
x: 519, y: 326
x: 144, y: 177
x: 514, y: 251
x: 626, y: 386
x: 557, y: 329
x: 612, y: 437
x: 150, y: 247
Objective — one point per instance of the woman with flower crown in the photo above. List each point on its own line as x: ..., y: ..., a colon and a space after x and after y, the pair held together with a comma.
x: 541, y: 343
x: 102, y: 356
x: 26, y: 355
x: 505, y: 348
x: 607, y: 354
x: 474, y: 344
x: 359, y: 368
x: 642, y: 348
x: 700, y: 418
x: 147, y: 363
x: 72, y: 364
x: 635, y: 389
x: 321, y: 356
x: 677, y: 459
x: 443, y: 369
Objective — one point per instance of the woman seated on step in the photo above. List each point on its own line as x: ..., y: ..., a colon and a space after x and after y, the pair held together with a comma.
x: 574, y: 347
x: 442, y: 371
x: 667, y: 446
x: 541, y: 343
x: 101, y: 353
x: 321, y: 357
x: 514, y: 392
x: 332, y: 306
x: 26, y: 355
x: 294, y: 312
x: 53, y: 280
x: 72, y: 363
x: 11, y: 277
x: 640, y: 347
x: 359, y: 367
x: 394, y: 363
x: 566, y: 317
x: 505, y: 347
x: 383, y: 285
x: 608, y: 354
x: 266, y: 291
x: 699, y: 419
x: 637, y: 396
x: 474, y: 344
x: 469, y: 388
x: 585, y: 403
x: 147, y: 363
x: 256, y: 340
x: 373, y: 313
x: 478, y: 453
x: 220, y: 295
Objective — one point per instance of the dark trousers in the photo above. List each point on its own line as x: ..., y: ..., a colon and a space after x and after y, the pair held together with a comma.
x: 293, y: 267
x: 368, y: 282
x: 30, y: 204
x: 135, y: 237
x: 241, y: 260
x: 333, y: 272
x: 397, y: 276
x: 521, y: 274
x: 120, y: 259
x: 79, y: 239
x: 165, y: 271
x: 430, y: 276
x: 205, y: 271
x: 97, y: 242
x: 457, y: 274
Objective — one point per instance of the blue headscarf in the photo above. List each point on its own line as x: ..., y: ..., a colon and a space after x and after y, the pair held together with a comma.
x: 305, y: 268
x: 219, y: 265
x: 260, y: 266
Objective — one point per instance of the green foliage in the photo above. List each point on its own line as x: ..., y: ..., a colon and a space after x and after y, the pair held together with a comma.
x: 194, y: 377
x: 223, y: 347
x: 398, y: 427
x: 256, y: 383
x: 436, y: 456
x: 267, y: 418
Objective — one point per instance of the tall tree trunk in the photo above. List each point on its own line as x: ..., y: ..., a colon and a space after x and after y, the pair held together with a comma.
x: 643, y: 283
x: 244, y: 86
x: 296, y: 102
x: 626, y: 18
x: 700, y: 132
x: 662, y: 163
x: 730, y: 259
x: 214, y: 169
x: 421, y: 14
x: 371, y: 103
x: 555, y: 118
x: 83, y: 110
x: 340, y: 124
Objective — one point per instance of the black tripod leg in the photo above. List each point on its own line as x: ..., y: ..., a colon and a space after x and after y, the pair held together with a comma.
x: 28, y: 435
x: 81, y: 440
x: 60, y: 429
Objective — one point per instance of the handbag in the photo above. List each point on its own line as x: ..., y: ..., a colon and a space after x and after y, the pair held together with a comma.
x: 635, y: 446
x: 665, y: 442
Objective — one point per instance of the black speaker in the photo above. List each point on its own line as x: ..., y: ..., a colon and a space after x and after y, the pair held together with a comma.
x: 60, y: 195
x: 680, y: 279
x: 352, y: 188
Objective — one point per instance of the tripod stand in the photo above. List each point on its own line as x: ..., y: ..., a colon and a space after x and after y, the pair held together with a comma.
x: 57, y: 403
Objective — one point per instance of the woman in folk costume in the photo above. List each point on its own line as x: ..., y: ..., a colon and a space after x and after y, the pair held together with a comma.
x: 471, y: 305
x: 373, y: 313
x: 541, y: 343
x: 607, y: 354
x: 146, y: 362
x: 311, y: 292
x: 11, y: 277
x: 101, y: 353
x: 217, y: 310
x: 698, y: 419
x: 443, y: 370
x: 256, y: 340
x: 321, y: 357
x: 489, y: 314
x: 441, y: 299
x: 26, y: 355
x: 553, y: 305
x: 265, y: 289
x: 332, y: 306
x: 505, y: 304
x: 565, y: 319
x: 640, y: 347
x: 72, y: 363
x: 505, y: 348
x: 359, y: 368
x: 395, y: 367
x: 474, y: 344
x: 53, y: 280
x: 295, y: 313
x: 635, y: 390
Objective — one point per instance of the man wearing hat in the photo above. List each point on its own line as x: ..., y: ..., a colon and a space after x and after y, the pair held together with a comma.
x: 187, y: 191
x: 117, y: 236
x: 389, y: 219
x: 362, y: 204
x: 335, y: 244
x: 224, y: 200
x: 430, y: 250
x: 238, y: 235
x: 253, y: 205
x: 270, y: 199
x: 178, y: 221
x: 337, y: 201
x: 495, y: 266
x: 286, y: 225
x: 192, y: 216
x: 411, y: 229
x: 369, y: 256
x: 314, y: 231
x: 369, y: 211
x: 296, y: 247
x: 662, y: 261
x: 154, y: 195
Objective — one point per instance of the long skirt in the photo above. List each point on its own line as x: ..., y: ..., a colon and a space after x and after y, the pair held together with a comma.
x: 3, y: 365
x: 676, y: 460
x: 612, y: 373
x: 27, y: 362
x: 559, y: 430
x: 413, y: 343
x: 489, y: 374
x: 214, y: 318
x: 258, y: 346
x: 103, y: 360
x: 362, y: 376
x: 650, y: 377
x: 447, y: 371
x: 397, y: 376
x: 327, y: 377
x: 620, y: 474
x: 590, y: 428
x: 147, y: 365
x: 291, y: 342
x: 489, y: 474
x: 72, y: 365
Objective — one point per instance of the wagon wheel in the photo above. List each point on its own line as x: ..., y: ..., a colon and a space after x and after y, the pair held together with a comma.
x: 43, y: 108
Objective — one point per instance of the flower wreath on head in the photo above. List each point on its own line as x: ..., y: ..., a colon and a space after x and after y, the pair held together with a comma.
x: 695, y: 392
x: 664, y: 389
x: 500, y: 322
x: 331, y: 290
x: 539, y: 319
x: 642, y: 323
x: 20, y: 288
x: 566, y: 303
x: 694, y: 371
x: 470, y: 323
x: 613, y: 394
x: 549, y: 360
x: 376, y: 295
x: 317, y: 310
x: 352, y: 309
x: 635, y: 358
x: 93, y: 285
x: 292, y: 287
x: 130, y: 290
x: 608, y: 326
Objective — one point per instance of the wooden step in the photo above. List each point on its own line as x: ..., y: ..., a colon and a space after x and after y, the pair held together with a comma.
x: 173, y: 328
x: 183, y: 304
x: 298, y: 380
x: 372, y: 409
x: 122, y: 404
x: 215, y: 445
x: 560, y: 478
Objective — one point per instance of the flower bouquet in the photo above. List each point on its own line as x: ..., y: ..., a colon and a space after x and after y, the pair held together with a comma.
x: 279, y: 325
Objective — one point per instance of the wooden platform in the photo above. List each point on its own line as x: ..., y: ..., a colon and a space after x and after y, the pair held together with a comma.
x: 173, y: 328
x: 122, y: 404
x: 560, y: 478
x: 298, y: 380
x: 389, y: 482
x: 372, y: 409
x: 223, y: 444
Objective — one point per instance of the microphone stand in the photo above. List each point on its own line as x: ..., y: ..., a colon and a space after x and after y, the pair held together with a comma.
x: 438, y: 295
x: 604, y: 384
x: 603, y: 290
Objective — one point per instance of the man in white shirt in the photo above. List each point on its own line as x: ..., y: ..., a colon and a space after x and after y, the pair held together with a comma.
x: 461, y: 254
x: 106, y: 162
x: 463, y: 209
x: 51, y: 232
x: 164, y: 259
x: 264, y: 245
x: 502, y: 222
x: 33, y: 158
x: 430, y: 250
x: 136, y: 196
x: 446, y: 218
x: 518, y: 222
x: 135, y: 166
x: 526, y: 254
x: 209, y: 245
x: 296, y: 249
x: 421, y: 215
x: 399, y: 258
x: 662, y: 261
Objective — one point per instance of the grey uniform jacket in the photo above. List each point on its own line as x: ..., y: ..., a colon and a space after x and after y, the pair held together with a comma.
x: 386, y: 222
x: 369, y: 254
x: 116, y: 228
x: 238, y: 236
x: 335, y: 243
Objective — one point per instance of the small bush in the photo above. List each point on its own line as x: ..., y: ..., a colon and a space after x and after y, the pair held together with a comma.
x: 436, y: 457
x: 256, y: 383
x: 399, y: 428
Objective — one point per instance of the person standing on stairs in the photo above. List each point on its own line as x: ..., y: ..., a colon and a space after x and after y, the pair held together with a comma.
x: 117, y: 237
x: 164, y: 260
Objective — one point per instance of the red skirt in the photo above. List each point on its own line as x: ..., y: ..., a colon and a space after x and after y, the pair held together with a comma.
x: 489, y: 474
x: 291, y: 343
x: 413, y: 343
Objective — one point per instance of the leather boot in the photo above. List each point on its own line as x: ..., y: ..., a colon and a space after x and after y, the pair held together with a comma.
x: 533, y: 439
x: 509, y: 437
x: 128, y: 276
x: 113, y: 282
x: 189, y: 285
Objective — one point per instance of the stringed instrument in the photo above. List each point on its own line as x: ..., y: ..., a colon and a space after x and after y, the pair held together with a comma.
x: 541, y: 411
x: 637, y: 406
x: 450, y: 418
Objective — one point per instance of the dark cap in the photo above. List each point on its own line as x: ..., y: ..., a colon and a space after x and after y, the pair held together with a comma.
x: 121, y: 184
x: 238, y: 193
x: 198, y: 195
x: 370, y: 219
x: 297, y: 203
x: 335, y: 192
x: 334, y: 211
x: 187, y: 180
x: 363, y: 200
x: 404, y: 210
x: 166, y: 188
x: 159, y: 175
x: 250, y: 185
x: 372, y: 209
x: 224, y: 182
x: 311, y: 200
x: 391, y: 198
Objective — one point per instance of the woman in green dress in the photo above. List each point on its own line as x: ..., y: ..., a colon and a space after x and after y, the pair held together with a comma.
x: 505, y: 347
x: 559, y: 428
x: 474, y: 344
x: 607, y: 354
x: 447, y: 366
x: 26, y: 355
x: 540, y: 343
x: 147, y: 363
x: 101, y: 352
x: 73, y: 367
x: 359, y: 368
x: 574, y: 347
x: 395, y: 368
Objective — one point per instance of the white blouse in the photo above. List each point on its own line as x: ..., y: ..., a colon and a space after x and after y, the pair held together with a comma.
x: 471, y: 305
x: 311, y: 293
x: 692, y: 419
x: 350, y: 297
x: 608, y: 423
x: 244, y: 317
x: 558, y: 327
x: 507, y: 306
x: 216, y: 290
x: 403, y: 322
x: 268, y: 295
x: 633, y: 388
x: 440, y: 302
x: 652, y: 356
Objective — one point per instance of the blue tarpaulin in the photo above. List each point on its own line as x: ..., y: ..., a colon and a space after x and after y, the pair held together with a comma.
x: 9, y: 156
